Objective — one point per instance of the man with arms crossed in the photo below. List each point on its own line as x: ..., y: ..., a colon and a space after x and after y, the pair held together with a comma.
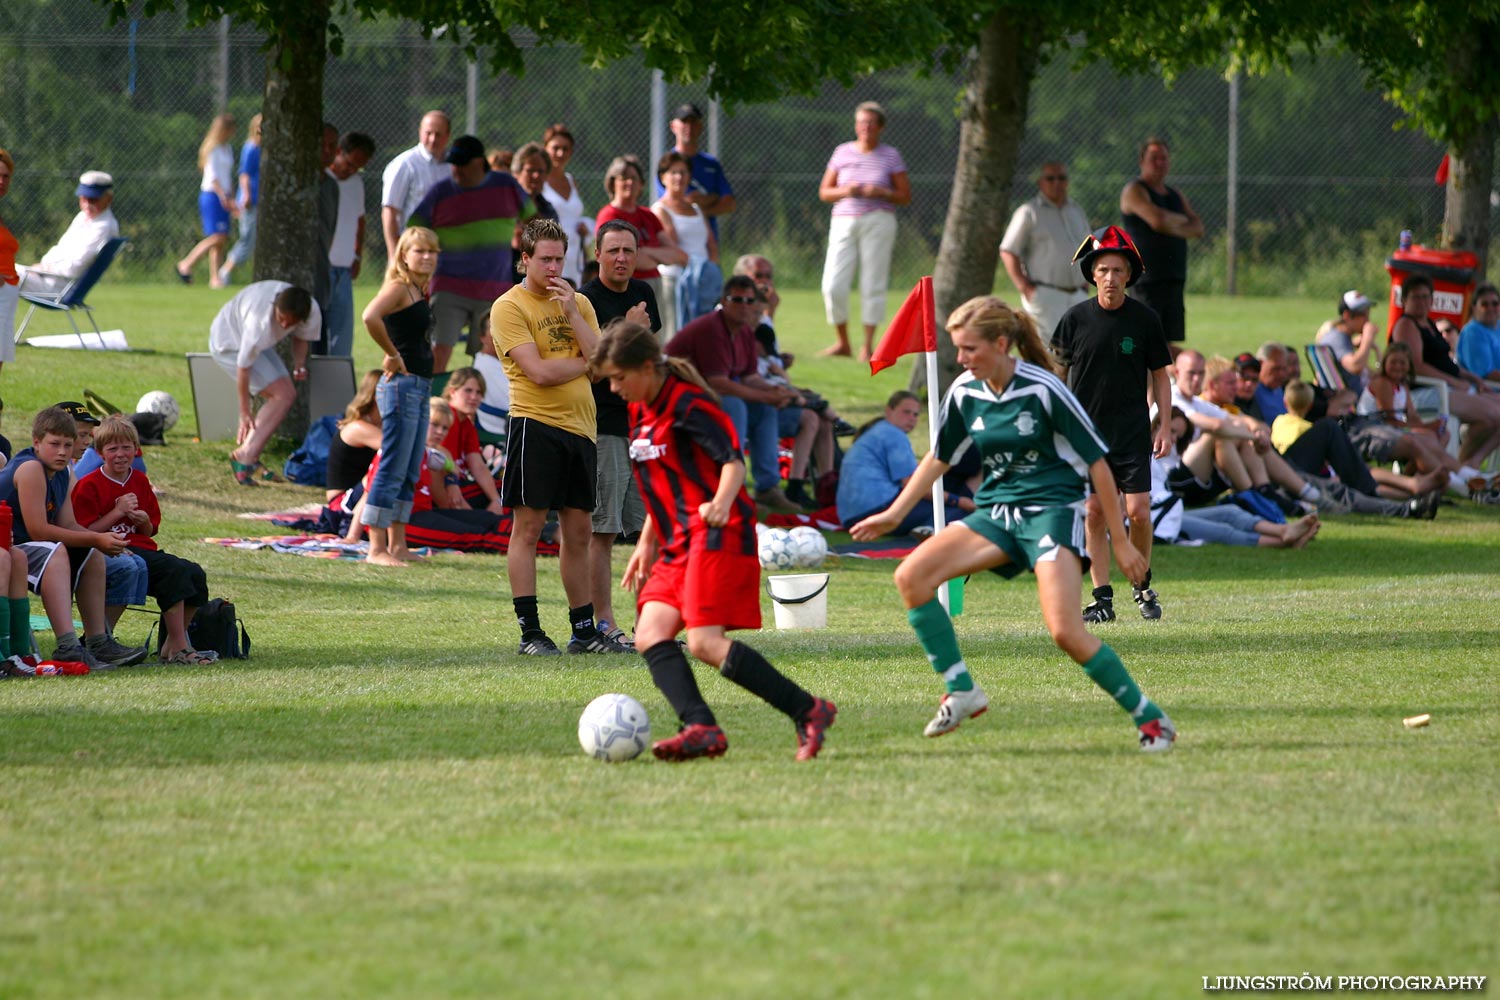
x: 1038, y: 250
x: 544, y: 333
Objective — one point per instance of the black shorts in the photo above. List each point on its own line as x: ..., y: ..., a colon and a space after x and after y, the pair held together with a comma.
x: 1132, y: 470
x: 1193, y: 491
x: 547, y: 468
x: 172, y: 580
x: 1166, y: 300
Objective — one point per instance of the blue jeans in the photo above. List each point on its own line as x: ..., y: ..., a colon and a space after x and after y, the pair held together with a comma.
x: 340, y: 312
x: 245, y: 245
x: 756, y: 424
x: 402, y: 400
x: 124, y: 579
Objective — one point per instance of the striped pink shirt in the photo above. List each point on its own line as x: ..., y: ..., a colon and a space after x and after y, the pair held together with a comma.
x: 852, y: 166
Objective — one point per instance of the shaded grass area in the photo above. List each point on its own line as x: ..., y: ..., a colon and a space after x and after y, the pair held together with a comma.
x: 387, y: 802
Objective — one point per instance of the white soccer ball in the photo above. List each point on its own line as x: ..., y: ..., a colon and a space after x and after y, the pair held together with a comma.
x: 162, y: 403
x: 809, y: 547
x: 614, y: 728
x: 776, y: 549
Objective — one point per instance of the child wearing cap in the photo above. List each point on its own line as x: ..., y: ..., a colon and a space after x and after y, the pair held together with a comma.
x: 60, y: 553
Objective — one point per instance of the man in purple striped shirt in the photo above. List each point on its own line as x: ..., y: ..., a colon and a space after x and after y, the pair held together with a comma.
x: 474, y: 215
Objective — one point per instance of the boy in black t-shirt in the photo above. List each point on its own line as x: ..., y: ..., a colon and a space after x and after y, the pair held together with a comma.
x: 1116, y: 358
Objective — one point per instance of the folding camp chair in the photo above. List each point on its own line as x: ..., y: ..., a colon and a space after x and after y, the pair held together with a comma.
x: 71, y: 296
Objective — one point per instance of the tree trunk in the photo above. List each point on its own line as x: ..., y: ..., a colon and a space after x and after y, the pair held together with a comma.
x: 1466, y: 212
x: 994, y: 123
x: 286, y: 244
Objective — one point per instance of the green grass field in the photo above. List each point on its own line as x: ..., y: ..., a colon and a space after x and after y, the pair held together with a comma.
x: 387, y: 802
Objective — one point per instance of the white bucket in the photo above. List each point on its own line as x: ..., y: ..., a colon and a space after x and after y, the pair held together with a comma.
x: 801, y: 601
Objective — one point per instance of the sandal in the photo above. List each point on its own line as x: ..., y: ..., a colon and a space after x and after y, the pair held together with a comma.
x: 191, y: 657
x: 269, y: 475
x: 186, y: 279
x: 244, y: 472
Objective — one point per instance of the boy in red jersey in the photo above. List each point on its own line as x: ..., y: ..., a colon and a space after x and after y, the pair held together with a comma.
x: 118, y: 499
x: 695, y: 564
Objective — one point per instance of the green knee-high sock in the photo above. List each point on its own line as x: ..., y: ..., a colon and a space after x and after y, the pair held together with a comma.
x: 5, y: 646
x: 20, y: 625
x: 935, y: 632
x: 1110, y: 674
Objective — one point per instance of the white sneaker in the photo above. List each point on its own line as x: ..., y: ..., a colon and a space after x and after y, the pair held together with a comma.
x: 955, y: 707
x: 1158, y: 735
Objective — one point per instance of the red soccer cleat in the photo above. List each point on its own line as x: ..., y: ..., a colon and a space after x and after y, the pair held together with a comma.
x: 813, y: 727
x: 692, y: 742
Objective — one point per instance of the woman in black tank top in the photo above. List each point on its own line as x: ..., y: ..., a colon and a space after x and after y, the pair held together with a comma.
x: 398, y: 319
x: 1469, y: 399
x: 353, y: 448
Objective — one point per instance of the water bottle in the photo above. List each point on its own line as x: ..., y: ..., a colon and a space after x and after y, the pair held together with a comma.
x: 6, y: 516
x: 1405, y: 243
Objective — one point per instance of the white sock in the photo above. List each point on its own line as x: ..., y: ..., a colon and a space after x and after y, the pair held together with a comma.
x: 1309, y: 492
x: 1458, y: 483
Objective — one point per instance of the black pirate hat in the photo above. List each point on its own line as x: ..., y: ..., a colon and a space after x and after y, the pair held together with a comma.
x: 1110, y: 239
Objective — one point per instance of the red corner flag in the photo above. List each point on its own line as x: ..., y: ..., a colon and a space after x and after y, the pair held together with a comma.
x: 912, y: 331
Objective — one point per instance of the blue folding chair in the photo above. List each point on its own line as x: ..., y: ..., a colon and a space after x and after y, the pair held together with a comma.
x: 71, y: 296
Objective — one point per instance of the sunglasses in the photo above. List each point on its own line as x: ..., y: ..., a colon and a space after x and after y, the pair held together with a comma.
x: 743, y: 300
x: 1489, y: 303
x: 1054, y: 177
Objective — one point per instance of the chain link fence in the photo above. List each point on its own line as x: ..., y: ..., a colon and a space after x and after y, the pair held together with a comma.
x: 1325, y: 180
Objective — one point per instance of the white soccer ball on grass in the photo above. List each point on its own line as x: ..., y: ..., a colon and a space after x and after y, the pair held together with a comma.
x: 614, y: 728
x: 809, y: 547
x: 776, y: 549
x: 163, y: 404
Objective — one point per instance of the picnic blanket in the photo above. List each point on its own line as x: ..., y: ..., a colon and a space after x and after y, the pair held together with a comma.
x: 315, y: 546
x: 884, y: 548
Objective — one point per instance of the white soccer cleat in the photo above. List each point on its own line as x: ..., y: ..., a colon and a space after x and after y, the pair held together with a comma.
x: 955, y: 707
x: 1158, y: 735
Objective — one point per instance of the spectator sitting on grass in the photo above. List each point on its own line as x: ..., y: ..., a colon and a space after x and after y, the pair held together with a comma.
x: 880, y: 462
x: 1287, y: 428
x: 118, y: 499
x: 465, y: 393
x: 353, y: 448
x: 59, y: 552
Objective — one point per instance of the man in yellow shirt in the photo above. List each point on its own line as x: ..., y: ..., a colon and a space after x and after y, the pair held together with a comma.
x: 544, y: 333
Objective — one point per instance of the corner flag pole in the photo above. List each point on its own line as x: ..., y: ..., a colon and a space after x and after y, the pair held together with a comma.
x: 933, y: 412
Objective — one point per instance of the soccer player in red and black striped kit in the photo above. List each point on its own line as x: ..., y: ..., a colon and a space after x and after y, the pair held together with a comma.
x: 695, y: 564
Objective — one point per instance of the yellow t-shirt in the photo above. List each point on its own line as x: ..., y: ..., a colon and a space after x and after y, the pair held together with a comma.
x: 1286, y: 429
x: 521, y: 317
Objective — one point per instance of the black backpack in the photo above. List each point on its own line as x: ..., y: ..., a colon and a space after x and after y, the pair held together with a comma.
x: 215, y: 627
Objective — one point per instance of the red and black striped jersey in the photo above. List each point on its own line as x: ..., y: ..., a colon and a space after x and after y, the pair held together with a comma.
x: 679, y: 442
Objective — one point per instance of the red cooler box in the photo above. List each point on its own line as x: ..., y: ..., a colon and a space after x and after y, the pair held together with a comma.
x: 1452, y: 274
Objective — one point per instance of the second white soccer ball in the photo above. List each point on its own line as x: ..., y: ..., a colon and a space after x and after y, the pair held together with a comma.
x: 776, y: 549
x: 614, y: 728
x: 809, y: 547
x: 163, y: 404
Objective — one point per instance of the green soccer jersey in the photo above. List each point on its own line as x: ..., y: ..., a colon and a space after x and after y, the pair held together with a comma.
x: 1035, y: 442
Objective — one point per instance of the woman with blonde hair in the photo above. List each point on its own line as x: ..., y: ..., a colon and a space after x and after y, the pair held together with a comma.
x: 215, y: 200
x: 353, y: 448
x: 1040, y: 455
x: 246, y: 202
x: 562, y: 191
x: 399, y: 319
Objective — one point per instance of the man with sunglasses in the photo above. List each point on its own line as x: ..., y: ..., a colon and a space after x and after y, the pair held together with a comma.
x: 1038, y: 250
x: 92, y: 227
x: 1352, y: 338
x: 1479, y: 340
x: 723, y: 348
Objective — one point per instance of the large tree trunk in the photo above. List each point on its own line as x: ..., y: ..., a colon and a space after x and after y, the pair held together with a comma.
x: 1471, y: 58
x: 1471, y: 174
x: 286, y: 245
x: 989, y: 141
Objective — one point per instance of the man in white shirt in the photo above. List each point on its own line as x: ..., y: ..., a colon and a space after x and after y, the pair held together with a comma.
x: 243, y: 341
x: 408, y: 177
x: 92, y: 227
x: 1038, y: 248
x: 355, y: 150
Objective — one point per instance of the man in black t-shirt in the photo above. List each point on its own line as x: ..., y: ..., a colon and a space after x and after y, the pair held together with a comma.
x: 1115, y: 355
x: 1160, y: 221
x: 617, y: 505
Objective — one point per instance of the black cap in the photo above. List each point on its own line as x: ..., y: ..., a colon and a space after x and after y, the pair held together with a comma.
x: 687, y: 111
x: 1247, y: 363
x: 464, y: 150
x: 78, y: 412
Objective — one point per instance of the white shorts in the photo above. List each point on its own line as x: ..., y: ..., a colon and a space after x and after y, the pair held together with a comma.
x: 267, y: 369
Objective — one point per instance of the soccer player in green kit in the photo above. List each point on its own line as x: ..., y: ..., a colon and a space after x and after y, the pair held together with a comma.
x: 1040, y: 451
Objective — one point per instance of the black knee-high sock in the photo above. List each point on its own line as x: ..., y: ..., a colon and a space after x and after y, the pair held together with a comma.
x: 674, y: 678
x: 754, y: 673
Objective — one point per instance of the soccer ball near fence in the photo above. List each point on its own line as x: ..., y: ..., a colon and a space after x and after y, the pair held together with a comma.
x: 614, y: 728
x: 809, y: 547
x: 162, y: 403
x: 776, y: 549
